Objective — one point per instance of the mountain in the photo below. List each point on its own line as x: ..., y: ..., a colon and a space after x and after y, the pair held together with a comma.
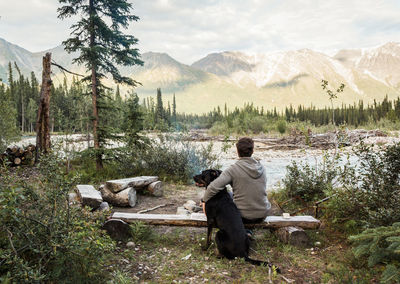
x: 381, y: 63
x: 273, y: 79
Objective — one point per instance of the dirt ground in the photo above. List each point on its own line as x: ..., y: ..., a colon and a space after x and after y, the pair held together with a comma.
x: 174, y: 196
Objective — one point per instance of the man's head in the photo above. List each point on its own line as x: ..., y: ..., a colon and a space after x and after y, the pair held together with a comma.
x: 245, y: 147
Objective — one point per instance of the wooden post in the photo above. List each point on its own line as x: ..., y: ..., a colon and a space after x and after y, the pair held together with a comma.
x: 43, y: 117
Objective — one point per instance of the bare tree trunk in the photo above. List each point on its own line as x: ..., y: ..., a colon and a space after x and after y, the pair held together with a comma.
x: 43, y: 118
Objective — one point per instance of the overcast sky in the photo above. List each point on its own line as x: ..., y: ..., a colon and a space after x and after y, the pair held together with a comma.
x: 190, y: 29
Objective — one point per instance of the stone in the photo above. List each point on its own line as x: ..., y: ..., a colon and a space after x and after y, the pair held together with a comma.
x: 190, y: 205
x: 88, y: 195
x: 130, y: 244
x: 182, y: 211
x: 104, y: 206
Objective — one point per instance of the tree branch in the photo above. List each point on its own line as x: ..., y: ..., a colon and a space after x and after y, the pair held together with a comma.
x: 63, y: 69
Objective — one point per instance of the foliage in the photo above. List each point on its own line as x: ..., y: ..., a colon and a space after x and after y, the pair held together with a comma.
x: 281, y: 126
x: 42, y: 237
x: 381, y: 245
x: 310, y: 182
x: 370, y: 191
x: 102, y: 45
x: 170, y: 157
x: 8, y: 129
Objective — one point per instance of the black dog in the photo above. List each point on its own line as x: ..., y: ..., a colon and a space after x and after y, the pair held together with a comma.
x: 231, y: 239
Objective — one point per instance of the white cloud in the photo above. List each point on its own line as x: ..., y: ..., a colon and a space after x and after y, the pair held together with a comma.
x: 190, y: 29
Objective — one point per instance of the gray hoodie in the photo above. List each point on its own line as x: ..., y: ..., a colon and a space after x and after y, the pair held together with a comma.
x: 248, y: 179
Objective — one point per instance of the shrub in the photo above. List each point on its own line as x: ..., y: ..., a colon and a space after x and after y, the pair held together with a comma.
x: 381, y: 245
x: 42, y: 238
x: 281, y: 126
x: 370, y: 192
x: 307, y: 182
x: 170, y: 157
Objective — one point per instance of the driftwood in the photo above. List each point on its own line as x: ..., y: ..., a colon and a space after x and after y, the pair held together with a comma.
x: 17, y: 156
x: 200, y: 220
x: 154, y: 208
x: 126, y: 197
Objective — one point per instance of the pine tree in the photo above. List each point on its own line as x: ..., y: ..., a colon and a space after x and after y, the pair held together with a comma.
x: 97, y: 36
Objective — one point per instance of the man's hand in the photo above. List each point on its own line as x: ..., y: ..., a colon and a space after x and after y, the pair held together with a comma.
x: 203, y: 205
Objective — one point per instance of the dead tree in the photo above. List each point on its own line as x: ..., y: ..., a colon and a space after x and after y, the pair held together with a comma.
x: 43, y: 117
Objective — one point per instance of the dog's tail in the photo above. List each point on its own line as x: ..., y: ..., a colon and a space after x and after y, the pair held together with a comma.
x: 263, y: 263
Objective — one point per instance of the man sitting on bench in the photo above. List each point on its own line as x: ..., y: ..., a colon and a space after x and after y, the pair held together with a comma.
x: 248, y: 180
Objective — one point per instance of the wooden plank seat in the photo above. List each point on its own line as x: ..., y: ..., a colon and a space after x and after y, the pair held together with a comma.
x: 200, y: 220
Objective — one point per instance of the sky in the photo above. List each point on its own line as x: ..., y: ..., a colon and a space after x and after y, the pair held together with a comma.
x: 188, y: 30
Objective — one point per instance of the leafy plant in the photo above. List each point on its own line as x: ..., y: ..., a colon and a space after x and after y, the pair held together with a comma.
x: 310, y: 182
x: 170, y: 157
x: 43, y: 238
x: 370, y: 191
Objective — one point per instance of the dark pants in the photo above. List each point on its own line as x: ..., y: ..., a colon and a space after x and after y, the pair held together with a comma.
x: 248, y: 221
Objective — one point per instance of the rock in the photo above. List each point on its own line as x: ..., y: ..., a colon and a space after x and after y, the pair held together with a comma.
x: 73, y: 198
x: 182, y: 211
x: 135, y: 182
x: 130, y: 244
x: 189, y: 205
x: 104, y: 206
x: 88, y: 195
x: 118, y: 229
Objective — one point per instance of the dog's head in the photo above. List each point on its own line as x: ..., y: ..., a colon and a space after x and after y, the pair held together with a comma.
x: 206, y: 177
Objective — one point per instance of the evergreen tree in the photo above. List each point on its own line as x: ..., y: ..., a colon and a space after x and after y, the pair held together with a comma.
x: 98, y: 37
x: 8, y: 123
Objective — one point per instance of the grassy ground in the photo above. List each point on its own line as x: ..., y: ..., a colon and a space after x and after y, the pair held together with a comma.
x: 173, y: 254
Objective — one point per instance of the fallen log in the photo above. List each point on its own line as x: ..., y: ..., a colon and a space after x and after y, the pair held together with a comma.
x: 135, y: 182
x: 156, y: 188
x: 200, y: 220
x: 124, y: 198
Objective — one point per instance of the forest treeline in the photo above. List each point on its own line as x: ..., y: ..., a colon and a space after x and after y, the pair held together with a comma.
x: 70, y: 111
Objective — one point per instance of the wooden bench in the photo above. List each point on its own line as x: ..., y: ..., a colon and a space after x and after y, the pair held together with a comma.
x: 200, y: 220
x: 289, y: 230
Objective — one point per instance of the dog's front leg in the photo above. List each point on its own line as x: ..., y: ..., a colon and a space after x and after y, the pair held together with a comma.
x: 208, y: 242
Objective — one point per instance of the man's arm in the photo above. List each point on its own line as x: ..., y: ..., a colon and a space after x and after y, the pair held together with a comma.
x: 217, y: 185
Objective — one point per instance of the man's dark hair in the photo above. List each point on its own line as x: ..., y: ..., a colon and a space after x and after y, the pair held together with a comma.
x: 245, y: 147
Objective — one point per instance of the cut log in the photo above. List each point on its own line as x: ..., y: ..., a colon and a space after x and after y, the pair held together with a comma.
x: 117, y: 229
x: 200, y: 220
x: 17, y: 161
x: 88, y: 195
x: 135, y: 182
x: 293, y: 235
x: 156, y: 188
x: 126, y: 197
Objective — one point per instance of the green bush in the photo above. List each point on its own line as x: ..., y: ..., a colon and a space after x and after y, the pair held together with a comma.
x: 308, y: 182
x: 370, y: 192
x: 43, y: 238
x: 170, y: 157
x: 381, y: 245
x: 281, y: 126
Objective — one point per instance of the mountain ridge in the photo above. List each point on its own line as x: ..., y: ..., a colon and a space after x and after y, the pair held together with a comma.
x: 270, y: 79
